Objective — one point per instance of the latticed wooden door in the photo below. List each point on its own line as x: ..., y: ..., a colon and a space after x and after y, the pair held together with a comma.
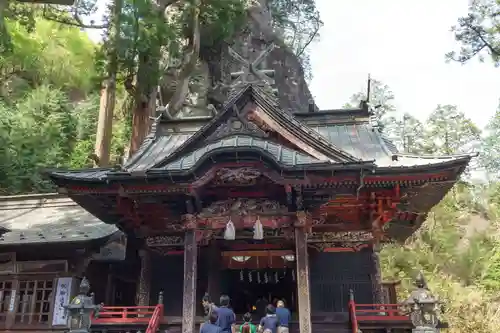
x: 7, y: 303
x: 334, y: 274
x: 34, y: 301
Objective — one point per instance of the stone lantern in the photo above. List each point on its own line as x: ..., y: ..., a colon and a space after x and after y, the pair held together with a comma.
x: 80, y: 309
x: 424, y: 308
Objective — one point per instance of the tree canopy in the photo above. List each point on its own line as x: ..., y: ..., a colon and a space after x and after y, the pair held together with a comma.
x: 478, y: 33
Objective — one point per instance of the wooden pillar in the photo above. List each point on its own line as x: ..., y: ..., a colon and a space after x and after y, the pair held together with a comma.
x: 303, y: 290
x: 144, y: 286
x: 109, y: 287
x: 214, y: 272
x: 378, y: 296
x: 189, y: 294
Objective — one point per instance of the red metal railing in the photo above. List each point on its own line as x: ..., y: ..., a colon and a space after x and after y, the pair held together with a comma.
x: 150, y: 315
x: 124, y: 315
x: 352, y: 315
x: 379, y: 312
x: 154, y: 323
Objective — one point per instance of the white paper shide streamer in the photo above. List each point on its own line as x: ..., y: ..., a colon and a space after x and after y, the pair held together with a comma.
x: 258, y: 230
x: 230, y: 232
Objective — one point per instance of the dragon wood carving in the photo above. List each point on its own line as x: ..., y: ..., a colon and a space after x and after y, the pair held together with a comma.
x: 244, y: 212
x: 239, y: 176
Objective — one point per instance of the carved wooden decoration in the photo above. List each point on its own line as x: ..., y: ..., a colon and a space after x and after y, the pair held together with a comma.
x: 240, y: 176
x: 303, y: 219
x: 304, y: 301
x: 338, y: 247
x: 164, y: 240
x: 244, y: 212
x: 344, y: 236
x: 240, y: 124
x: 190, y: 275
x: 349, y: 240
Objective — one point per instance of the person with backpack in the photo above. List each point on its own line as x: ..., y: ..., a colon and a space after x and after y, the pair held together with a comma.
x: 247, y: 326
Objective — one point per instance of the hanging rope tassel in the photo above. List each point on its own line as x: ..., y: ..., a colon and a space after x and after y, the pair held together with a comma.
x: 258, y: 230
x: 230, y: 232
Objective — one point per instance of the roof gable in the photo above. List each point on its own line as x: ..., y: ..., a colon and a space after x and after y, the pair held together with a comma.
x: 253, y: 112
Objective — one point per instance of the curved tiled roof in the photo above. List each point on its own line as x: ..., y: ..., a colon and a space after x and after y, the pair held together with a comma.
x: 281, y: 154
x: 156, y: 150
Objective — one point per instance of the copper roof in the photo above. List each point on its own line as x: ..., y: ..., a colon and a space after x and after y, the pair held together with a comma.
x: 48, y: 218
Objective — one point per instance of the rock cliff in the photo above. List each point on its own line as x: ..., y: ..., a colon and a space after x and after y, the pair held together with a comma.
x: 208, y: 84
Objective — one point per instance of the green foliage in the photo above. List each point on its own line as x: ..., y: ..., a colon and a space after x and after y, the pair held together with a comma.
x: 48, y: 105
x: 457, y: 250
x: 479, y: 32
x: 381, y: 102
x: 490, y: 154
x: 407, y: 133
x: 299, y: 22
x: 449, y: 131
x: 40, y: 128
x: 220, y: 20
x: 47, y: 55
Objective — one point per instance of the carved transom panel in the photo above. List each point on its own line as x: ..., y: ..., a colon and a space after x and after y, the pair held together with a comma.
x: 243, y: 206
x: 342, y: 237
x: 164, y: 240
x: 357, y: 246
x: 239, y: 177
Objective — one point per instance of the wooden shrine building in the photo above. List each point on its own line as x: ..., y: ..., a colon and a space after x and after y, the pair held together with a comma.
x: 46, y: 241
x: 257, y: 201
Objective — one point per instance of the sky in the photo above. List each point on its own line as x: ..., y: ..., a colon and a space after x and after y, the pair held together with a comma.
x: 403, y: 44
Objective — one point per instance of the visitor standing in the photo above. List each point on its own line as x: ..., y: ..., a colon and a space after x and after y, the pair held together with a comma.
x: 247, y: 326
x: 227, y: 318
x: 208, y: 306
x: 284, y: 317
x: 269, y: 323
x: 210, y: 326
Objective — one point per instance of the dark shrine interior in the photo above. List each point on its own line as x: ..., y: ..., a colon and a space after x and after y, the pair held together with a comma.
x: 254, y: 282
x: 245, y: 288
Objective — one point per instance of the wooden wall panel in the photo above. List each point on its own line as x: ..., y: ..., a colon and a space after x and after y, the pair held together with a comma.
x: 334, y: 273
x: 168, y: 276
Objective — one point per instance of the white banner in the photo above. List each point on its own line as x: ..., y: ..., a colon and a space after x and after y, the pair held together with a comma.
x: 63, y: 293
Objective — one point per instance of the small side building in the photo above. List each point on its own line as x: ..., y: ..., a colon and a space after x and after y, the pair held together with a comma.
x: 46, y: 243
